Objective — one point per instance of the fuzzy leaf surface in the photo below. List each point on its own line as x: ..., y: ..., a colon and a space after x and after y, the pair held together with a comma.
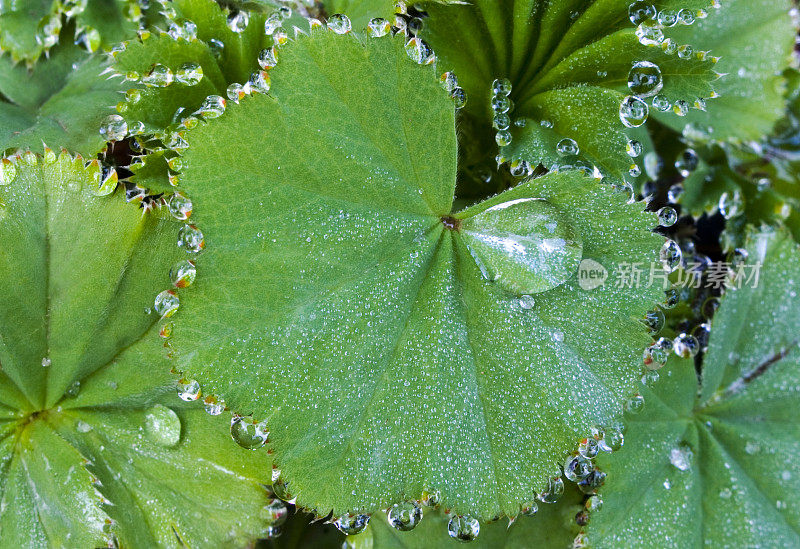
x: 717, y: 468
x: 81, y: 460
x: 336, y: 304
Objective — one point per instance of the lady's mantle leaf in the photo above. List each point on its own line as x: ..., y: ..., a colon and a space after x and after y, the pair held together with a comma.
x: 87, y: 403
x: 717, y: 469
x: 340, y: 299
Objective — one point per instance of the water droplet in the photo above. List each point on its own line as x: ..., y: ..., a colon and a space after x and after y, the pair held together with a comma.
x: 238, y: 21
x: 189, y: 74
x: 671, y: 255
x: 179, y: 205
x: 166, y: 330
x: 568, y: 147
x: 248, y: 434
x: 213, y: 405
x: 667, y: 216
x: 274, y: 513
x: 430, y: 499
x: 463, y: 527
x: 419, y: 51
x: 501, y: 104
x: 166, y: 303
x: 654, y: 320
x: 554, y: 490
x: 730, y: 204
x: 649, y: 33
x: 158, y: 76
x: 268, y: 58
x: 162, y: 426
x: 520, y: 168
x: 529, y: 508
x: 501, y: 121
x: 351, y: 524
x: 661, y: 103
x: 640, y: 11
x: 183, y: 29
x: 459, y: 98
x: 681, y: 457
x: 591, y: 482
x: 650, y: 377
x: 260, y: 81
x: 593, y: 503
x: 404, y: 516
x: 217, y: 48
x: 686, y: 16
x: 702, y: 332
x: 577, y: 467
x: 213, y: 107
x: 686, y: 346
x: 183, y: 273
x: 527, y: 245
x: 503, y: 138
x: 681, y: 107
x: 8, y: 172
x: 633, y: 148
x: 526, y: 302
x: 191, y: 239
x: 668, y: 18
x: 73, y: 389
x: 656, y: 355
x: 340, y: 24
x: 82, y: 427
x: 188, y: 389
x: 634, y: 404
x: 589, y: 447
x: 114, y: 128
x: 687, y: 162
x: 378, y: 27
x: 644, y: 79
x: 633, y: 112
x: 674, y: 193
x: 501, y: 87
x: 613, y: 439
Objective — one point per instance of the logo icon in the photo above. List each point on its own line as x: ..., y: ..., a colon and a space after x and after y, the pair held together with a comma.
x: 591, y: 274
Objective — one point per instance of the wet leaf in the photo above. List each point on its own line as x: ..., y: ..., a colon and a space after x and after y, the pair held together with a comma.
x: 341, y: 302
x: 717, y: 468
x: 94, y: 442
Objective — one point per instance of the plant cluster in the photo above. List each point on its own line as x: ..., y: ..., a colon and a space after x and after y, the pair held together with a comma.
x: 365, y: 273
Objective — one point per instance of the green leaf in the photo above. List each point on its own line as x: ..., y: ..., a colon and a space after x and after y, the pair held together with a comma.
x: 340, y: 300
x: 61, y: 101
x: 87, y: 402
x: 29, y: 29
x: 553, y: 526
x: 754, y: 40
x: 568, y: 64
x: 715, y: 468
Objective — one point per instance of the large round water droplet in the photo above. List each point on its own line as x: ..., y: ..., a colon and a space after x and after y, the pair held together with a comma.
x: 419, y: 51
x: 686, y: 346
x: 162, y: 426
x: 189, y: 74
x: 248, y: 434
x: 340, y: 24
x: 166, y: 303
x: 568, y: 147
x: 640, y: 11
x: 577, y: 467
x: 378, y: 27
x: 158, y: 76
x: 404, y: 516
x: 188, y: 389
x: 238, y: 21
x: 526, y: 245
x: 463, y: 528
x: 644, y: 79
x: 633, y: 112
x: 114, y: 128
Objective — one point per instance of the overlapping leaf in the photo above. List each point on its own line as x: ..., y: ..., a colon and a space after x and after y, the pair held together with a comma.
x: 94, y: 443
x: 340, y: 299
x: 718, y: 468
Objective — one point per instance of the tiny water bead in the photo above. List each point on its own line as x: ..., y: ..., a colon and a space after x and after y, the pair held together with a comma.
x: 526, y: 245
x: 657, y: 354
x: 188, y: 389
x: 191, y: 239
x: 671, y: 255
x: 162, y: 426
x: 404, y: 516
x: 686, y: 346
x: 553, y: 491
x: 419, y: 51
x: 274, y: 513
x: 351, y: 524
x: 166, y: 303
x: 633, y: 112
x: 681, y: 457
x: 216, y: 47
x: 114, y: 128
x: 159, y: 76
x: 568, y: 147
x: 526, y: 302
x: 702, y: 333
x: 378, y: 27
x: 179, y: 205
x: 463, y: 527
x: 340, y: 24
x: 644, y: 79
x: 189, y: 74
x: 183, y: 273
x: 247, y: 433
x: 640, y: 12
x: 667, y: 216
x: 236, y: 92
